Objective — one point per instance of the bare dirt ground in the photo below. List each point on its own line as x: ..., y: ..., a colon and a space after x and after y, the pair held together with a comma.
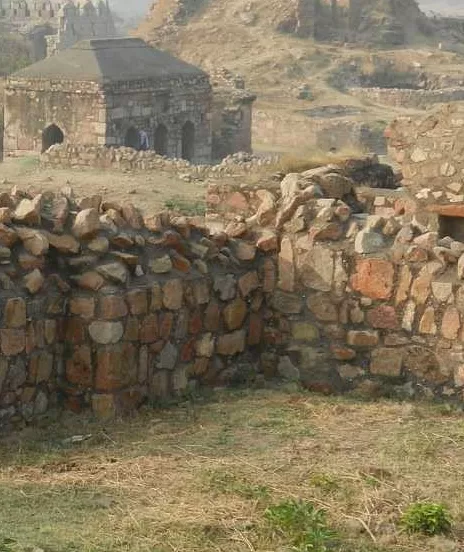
x: 151, y: 191
x: 200, y: 476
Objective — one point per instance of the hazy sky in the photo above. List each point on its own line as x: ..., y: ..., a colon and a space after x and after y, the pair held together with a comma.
x: 140, y: 7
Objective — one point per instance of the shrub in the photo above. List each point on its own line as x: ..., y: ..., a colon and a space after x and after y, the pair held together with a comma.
x: 302, y: 524
x: 427, y: 518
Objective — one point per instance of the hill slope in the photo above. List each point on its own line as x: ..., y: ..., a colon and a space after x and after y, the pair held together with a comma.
x: 301, y: 84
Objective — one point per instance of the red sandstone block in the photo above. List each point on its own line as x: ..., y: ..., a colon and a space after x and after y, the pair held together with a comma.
x: 373, y: 278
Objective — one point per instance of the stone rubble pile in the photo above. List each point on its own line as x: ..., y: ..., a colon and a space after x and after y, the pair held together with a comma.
x: 123, y: 158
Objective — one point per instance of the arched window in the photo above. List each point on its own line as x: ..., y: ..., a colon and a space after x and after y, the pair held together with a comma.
x: 188, y: 141
x: 50, y: 136
x: 160, y: 144
x: 132, y: 138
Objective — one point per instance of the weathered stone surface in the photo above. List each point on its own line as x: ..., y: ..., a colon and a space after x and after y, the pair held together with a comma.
x: 363, y: 338
x: 64, y: 243
x: 99, y: 245
x: 34, y: 241
x: 427, y: 324
x: 386, y: 361
x: 90, y: 280
x: 342, y: 353
x: 204, y: 347
x: 8, y: 236
x: 244, y: 251
x: 13, y: 341
x: 267, y: 241
x: 287, y: 303
x: 442, y: 291
x: 315, y: 268
x: 287, y: 370
x: 105, y: 333
x: 34, y: 281
x: 28, y: 211
x: 424, y: 364
x: 305, y: 331
x: 255, y: 329
x: 86, y: 223
x: 368, y: 241
x: 137, y: 300
x: 167, y: 359
x: 116, y: 272
x: 212, y: 317
x: 82, y: 306
x: 15, y: 313
x: 201, y: 291
x: 132, y: 216
x: 173, y: 294
x: 322, y: 307
x: 404, y: 284
x: 149, y: 329
x: 373, y: 278
x: 286, y: 265
x: 248, y: 283
x: 451, y: 323
x: 383, y: 317
x: 112, y: 307
x: 269, y: 276
x: 116, y: 367
x: 232, y: 343
x: 235, y: 314
x: 226, y: 286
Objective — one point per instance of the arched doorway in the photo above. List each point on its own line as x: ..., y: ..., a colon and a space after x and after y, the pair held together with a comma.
x: 132, y: 138
x: 188, y: 141
x: 50, y: 136
x: 160, y: 144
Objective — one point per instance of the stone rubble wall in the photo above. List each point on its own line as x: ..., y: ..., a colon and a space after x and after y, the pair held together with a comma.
x: 430, y: 151
x: 408, y: 98
x: 371, y: 298
x: 122, y: 158
x: 327, y: 278
x: 104, y: 308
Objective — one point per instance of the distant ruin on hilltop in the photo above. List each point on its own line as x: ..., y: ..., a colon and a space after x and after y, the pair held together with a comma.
x: 53, y: 25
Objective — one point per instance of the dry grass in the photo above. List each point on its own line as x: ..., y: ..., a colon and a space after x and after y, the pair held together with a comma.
x: 199, y: 477
x: 300, y: 162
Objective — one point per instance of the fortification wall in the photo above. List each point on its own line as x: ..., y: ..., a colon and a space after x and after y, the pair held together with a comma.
x: 408, y: 98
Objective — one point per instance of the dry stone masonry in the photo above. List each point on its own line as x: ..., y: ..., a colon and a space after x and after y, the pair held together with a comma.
x: 330, y: 278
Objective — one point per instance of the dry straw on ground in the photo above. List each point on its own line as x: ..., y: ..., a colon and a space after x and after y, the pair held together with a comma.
x: 198, y: 477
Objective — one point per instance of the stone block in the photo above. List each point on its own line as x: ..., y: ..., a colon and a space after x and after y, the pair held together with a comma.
x: 305, y: 331
x: 149, y: 329
x: 105, y: 332
x: 248, y: 283
x: 287, y: 303
x: 173, y: 294
x: 451, y: 324
x: 112, y: 307
x: 374, y: 278
x: 255, y: 329
x: 137, y: 300
x: 383, y: 317
x: 82, y: 306
x: 116, y: 367
x: 232, y: 343
x: 104, y: 406
x: 315, y: 268
x: 79, y: 367
x: 15, y: 313
x: 322, y: 307
x: 363, y: 339
x: 235, y: 313
x: 212, y: 318
x: 386, y: 362
x: 286, y: 266
x: 13, y: 341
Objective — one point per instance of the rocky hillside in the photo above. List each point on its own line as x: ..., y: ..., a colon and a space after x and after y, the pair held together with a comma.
x: 303, y: 84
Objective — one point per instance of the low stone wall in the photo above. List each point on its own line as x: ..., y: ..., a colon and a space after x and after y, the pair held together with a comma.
x: 106, y: 308
x: 430, y: 151
x: 122, y: 158
x: 408, y: 98
x: 372, y: 302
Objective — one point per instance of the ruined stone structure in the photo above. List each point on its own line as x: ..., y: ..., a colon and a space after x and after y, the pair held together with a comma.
x: 54, y: 25
x: 103, y: 92
x: 331, y: 278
